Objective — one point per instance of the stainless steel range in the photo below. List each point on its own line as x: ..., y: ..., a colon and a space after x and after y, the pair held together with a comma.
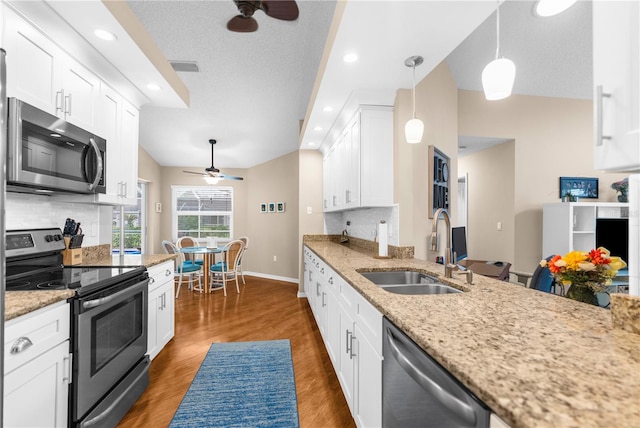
x: 108, y: 323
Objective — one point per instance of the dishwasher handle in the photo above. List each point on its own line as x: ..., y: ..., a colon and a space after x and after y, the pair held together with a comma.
x: 456, y: 406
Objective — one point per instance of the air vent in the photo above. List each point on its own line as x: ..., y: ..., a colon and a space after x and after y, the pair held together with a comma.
x: 186, y: 66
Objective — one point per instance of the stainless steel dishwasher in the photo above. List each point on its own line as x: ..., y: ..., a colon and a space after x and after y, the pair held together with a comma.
x: 418, y: 392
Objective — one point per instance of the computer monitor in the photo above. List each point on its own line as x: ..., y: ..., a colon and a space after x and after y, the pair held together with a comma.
x: 613, y: 234
x: 459, y: 242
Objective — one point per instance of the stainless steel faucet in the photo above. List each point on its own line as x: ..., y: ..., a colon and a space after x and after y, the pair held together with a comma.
x: 448, y: 266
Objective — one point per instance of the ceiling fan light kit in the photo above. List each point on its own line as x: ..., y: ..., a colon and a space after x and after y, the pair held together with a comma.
x: 414, y: 128
x: 285, y: 10
x: 498, y: 76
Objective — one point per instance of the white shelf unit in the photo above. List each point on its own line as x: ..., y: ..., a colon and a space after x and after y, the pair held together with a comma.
x: 570, y: 226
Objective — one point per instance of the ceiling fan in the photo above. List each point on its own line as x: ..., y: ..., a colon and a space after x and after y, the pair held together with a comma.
x: 212, y: 174
x: 286, y: 10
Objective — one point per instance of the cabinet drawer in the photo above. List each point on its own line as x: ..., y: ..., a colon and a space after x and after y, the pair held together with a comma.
x: 43, y: 329
x: 160, y: 274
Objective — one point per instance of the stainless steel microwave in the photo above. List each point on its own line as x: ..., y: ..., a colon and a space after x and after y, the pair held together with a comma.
x: 48, y: 154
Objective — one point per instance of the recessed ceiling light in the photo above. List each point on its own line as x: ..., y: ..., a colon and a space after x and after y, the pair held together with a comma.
x: 350, y: 57
x: 327, y: 109
x: 318, y: 128
x: 153, y: 87
x: 311, y: 143
x: 105, y: 35
x: 545, y: 8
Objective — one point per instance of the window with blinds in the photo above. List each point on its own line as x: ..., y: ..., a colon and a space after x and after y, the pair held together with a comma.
x: 202, y: 211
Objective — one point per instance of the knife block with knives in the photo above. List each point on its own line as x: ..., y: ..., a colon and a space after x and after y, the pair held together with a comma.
x: 73, y: 238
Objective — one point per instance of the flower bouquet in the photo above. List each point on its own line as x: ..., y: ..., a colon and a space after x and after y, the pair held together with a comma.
x: 586, y: 273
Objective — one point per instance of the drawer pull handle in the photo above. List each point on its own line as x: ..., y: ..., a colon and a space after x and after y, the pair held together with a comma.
x: 20, y: 345
x: 167, y: 272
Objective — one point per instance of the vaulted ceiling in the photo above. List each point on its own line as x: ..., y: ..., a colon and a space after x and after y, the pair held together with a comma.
x: 254, y: 89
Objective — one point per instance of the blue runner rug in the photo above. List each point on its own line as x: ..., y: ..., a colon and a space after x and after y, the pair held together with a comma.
x: 242, y: 384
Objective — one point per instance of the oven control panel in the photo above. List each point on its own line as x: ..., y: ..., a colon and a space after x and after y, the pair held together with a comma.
x: 33, y: 241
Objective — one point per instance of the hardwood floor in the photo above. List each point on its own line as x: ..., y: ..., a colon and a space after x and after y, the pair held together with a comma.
x: 264, y: 310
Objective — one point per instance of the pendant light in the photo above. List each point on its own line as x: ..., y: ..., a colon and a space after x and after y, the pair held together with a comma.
x: 545, y: 8
x: 498, y: 76
x: 414, y: 128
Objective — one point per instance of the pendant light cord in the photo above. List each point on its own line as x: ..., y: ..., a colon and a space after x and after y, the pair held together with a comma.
x: 414, y: 89
x: 497, y: 29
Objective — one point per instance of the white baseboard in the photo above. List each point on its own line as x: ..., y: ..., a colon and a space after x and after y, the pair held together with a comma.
x: 276, y: 277
x: 302, y: 295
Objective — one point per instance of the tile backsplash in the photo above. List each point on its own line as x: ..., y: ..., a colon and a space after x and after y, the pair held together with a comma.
x: 364, y: 223
x: 24, y: 211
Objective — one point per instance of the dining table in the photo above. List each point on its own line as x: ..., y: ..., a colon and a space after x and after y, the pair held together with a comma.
x: 208, y: 255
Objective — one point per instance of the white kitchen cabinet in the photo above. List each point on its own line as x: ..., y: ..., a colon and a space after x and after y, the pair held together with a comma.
x: 37, y: 368
x: 129, y: 152
x: 43, y: 75
x: 616, y: 76
x: 346, y: 374
x: 119, y: 126
x: 352, y: 331
x: 161, y: 325
x: 331, y: 315
x: 570, y: 226
x: 359, y: 165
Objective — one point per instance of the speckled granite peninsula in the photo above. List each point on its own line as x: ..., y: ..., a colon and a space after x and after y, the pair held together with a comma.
x: 537, y: 360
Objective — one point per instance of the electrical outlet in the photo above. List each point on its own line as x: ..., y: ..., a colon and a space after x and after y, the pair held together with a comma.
x: 309, y: 210
x: 499, y: 226
x: 275, y: 258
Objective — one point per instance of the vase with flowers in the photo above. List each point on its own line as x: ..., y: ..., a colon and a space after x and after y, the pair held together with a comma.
x: 585, y: 273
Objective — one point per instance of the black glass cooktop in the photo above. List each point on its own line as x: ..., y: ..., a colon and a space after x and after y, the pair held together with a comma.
x: 61, y: 278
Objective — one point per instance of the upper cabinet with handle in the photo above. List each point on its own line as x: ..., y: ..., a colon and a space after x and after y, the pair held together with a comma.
x: 358, y: 168
x: 616, y: 76
x: 42, y: 74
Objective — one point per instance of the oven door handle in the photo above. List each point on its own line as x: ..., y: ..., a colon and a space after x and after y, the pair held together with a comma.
x: 458, y: 408
x: 89, y: 304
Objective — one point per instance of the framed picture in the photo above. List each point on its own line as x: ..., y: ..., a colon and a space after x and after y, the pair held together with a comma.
x: 578, y: 187
x: 272, y: 207
x: 280, y: 207
x: 263, y: 208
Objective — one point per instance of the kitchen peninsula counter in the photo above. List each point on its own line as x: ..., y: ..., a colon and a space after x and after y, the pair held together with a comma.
x: 536, y: 359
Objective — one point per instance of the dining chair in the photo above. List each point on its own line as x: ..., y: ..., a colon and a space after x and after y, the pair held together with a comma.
x: 182, y: 268
x: 244, y: 239
x: 187, y: 241
x: 226, y: 270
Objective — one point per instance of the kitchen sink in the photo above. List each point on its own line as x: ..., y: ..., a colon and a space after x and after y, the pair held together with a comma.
x: 398, y: 277
x: 408, y: 282
x: 420, y: 289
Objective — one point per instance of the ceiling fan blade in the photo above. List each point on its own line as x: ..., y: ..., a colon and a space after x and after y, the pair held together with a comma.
x: 287, y: 10
x: 229, y: 177
x: 240, y: 24
x: 192, y: 172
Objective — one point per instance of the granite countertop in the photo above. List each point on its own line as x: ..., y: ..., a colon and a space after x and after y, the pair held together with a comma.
x: 146, y: 260
x: 17, y: 303
x: 22, y: 302
x: 537, y: 360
